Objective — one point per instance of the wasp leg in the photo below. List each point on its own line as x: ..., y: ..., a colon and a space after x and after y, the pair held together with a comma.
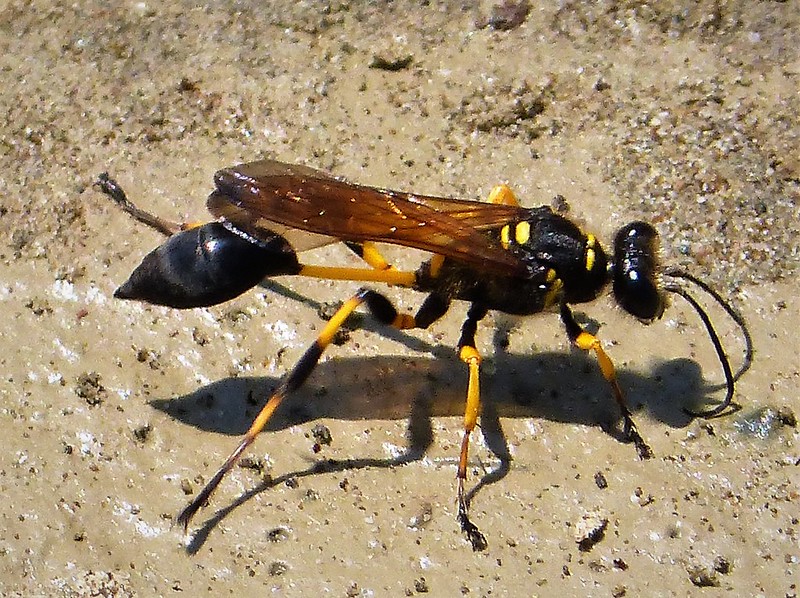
x: 370, y: 253
x: 391, y: 276
x: 502, y: 194
x: 468, y: 353
x: 382, y: 271
x: 588, y: 342
x: 110, y: 187
x: 381, y: 308
x: 291, y: 382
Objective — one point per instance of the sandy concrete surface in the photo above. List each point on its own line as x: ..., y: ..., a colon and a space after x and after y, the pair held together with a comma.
x: 115, y: 413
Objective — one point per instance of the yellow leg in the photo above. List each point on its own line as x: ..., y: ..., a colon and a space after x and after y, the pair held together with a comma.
x: 372, y: 255
x: 383, y: 311
x: 389, y: 276
x: 502, y: 194
x: 588, y: 342
x: 380, y: 307
x: 470, y: 356
x: 381, y: 270
x: 468, y: 353
x: 369, y: 252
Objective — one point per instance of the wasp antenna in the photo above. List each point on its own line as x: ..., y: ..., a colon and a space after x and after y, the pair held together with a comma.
x: 730, y: 377
x: 729, y: 309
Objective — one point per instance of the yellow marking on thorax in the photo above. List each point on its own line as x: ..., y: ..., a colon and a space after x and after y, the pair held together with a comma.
x: 591, y: 241
x: 505, y: 236
x: 522, y: 232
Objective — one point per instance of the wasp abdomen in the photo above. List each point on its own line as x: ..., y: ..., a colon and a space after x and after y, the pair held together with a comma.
x: 207, y: 265
x: 636, y: 270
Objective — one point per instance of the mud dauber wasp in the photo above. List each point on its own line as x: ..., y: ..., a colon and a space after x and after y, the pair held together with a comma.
x: 495, y: 255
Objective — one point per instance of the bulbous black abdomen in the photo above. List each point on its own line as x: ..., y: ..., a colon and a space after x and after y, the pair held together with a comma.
x: 207, y: 265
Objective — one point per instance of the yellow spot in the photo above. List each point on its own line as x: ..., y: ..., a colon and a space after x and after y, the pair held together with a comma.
x: 589, y: 259
x: 551, y: 275
x: 590, y: 253
x: 522, y: 232
x: 505, y: 236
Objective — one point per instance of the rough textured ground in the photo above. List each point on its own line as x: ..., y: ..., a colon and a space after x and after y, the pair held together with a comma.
x: 684, y: 114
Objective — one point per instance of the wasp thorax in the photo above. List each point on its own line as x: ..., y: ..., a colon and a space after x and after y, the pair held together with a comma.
x: 636, y: 271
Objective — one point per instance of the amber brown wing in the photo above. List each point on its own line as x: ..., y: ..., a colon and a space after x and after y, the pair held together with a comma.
x: 264, y: 192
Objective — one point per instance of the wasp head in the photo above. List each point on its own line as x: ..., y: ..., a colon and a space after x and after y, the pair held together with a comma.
x: 635, y: 271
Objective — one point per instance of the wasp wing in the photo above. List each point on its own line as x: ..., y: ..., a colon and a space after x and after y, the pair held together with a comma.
x: 266, y: 192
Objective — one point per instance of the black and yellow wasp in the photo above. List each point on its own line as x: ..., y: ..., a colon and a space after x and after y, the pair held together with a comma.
x: 495, y: 255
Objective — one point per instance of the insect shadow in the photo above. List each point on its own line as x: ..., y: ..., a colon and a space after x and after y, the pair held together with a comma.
x: 556, y: 386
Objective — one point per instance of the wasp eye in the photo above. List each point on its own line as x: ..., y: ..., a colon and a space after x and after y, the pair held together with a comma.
x: 636, y: 271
